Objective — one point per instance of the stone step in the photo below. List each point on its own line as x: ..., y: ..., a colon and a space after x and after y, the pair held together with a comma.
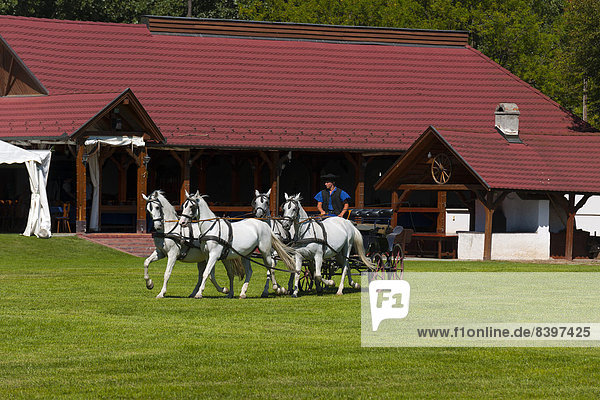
x: 136, y: 244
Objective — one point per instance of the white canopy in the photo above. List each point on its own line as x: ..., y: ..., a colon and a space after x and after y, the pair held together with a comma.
x: 38, y: 165
x: 10, y: 154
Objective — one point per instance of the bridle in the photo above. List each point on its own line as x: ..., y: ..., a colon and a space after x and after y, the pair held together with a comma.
x: 296, y: 212
x: 265, y: 201
x: 193, y: 208
x: 162, y: 215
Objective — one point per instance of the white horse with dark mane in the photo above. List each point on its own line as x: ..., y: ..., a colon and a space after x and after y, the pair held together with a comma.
x: 261, y: 210
x: 227, y: 241
x: 170, y: 242
x: 315, y: 241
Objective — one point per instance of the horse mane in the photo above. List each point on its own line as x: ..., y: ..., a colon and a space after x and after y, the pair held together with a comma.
x: 302, y: 215
x: 204, y: 212
x: 168, y: 209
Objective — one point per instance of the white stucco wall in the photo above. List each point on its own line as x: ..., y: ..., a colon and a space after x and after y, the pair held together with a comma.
x: 588, y: 217
x: 527, y: 237
x: 505, y: 246
x: 457, y: 219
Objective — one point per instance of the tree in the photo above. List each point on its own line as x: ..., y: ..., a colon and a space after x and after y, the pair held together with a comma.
x: 581, y: 54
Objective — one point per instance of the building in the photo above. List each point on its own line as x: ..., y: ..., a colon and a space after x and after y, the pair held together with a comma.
x: 229, y: 106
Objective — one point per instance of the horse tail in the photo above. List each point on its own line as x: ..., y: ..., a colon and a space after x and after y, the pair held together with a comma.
x: 237, y: 266
x: 283, y: 252
x: 359, y: 247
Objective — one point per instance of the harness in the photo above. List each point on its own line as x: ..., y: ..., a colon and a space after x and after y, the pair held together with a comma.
x: 302, y: 241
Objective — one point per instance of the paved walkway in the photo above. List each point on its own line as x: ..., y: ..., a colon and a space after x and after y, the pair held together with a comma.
x: 136, y: 244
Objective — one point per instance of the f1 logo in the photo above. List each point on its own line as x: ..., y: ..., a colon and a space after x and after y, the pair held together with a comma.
x: 389, y: 299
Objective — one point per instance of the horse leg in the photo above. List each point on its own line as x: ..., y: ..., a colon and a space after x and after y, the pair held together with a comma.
x: 216, y: 284
x: 343, y: 262
x: 171, y: 258
x: 230, y: 275
x: 156, y: 255
x: 248, y: 269
x: 351, y: 282
x: 318, y: 265
x: 297, y: 275
x: 269, y: 260
x: 201, y: 267
x: 210, y: 264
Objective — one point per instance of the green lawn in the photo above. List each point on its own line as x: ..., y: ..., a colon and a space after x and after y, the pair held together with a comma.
x: 76, y: 321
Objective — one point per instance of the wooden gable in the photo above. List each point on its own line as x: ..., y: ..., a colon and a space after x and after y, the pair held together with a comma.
x: 124, y: 116
x: 15, y: 78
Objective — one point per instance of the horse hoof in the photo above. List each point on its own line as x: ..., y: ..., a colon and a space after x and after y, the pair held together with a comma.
x: 225, y: 290
x: 160, y: 296
x: 242, y: 296
x: 230, y: 296
x: 356, y: 286
x: 294, y: 295
x: 339, y: 293
x: 264, y: 295
x: 149, y: 284
x: 279, y: 291
x: 198, y: 296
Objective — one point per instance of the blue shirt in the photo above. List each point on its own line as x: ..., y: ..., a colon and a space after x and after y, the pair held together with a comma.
x: 319, y: 197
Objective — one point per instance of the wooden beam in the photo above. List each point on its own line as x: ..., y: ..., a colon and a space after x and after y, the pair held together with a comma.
x: 487, y: 241
x: 570, y: 227
x: 441, y: 217
x: 142, y: 187
x: 395, y: 201
x: 8, y: 77
x: 80, y: 223
x: 451, y: 187
x: 186, y: 167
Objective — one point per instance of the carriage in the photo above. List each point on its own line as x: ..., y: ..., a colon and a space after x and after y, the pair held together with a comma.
x: 383, y: 245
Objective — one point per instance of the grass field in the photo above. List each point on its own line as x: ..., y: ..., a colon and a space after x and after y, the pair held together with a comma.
x: 76, y: 321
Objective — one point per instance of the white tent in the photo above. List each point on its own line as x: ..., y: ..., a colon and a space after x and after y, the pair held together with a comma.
x: 38, y: 165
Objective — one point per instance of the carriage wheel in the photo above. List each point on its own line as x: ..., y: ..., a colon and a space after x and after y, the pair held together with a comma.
x: 397, y: 261
x: 306, y: 281
x: 441, y: 168
x: 379, y: 271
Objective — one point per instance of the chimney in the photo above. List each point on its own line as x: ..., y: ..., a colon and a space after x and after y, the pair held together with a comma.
x: 507, y: 121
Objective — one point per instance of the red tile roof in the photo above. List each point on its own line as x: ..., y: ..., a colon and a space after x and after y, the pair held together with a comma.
x: 279, y: 94
x: 50, y: 116
x: 543, y: 162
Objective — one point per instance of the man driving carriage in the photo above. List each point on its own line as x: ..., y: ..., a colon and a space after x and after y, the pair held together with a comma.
x: 332, y: 201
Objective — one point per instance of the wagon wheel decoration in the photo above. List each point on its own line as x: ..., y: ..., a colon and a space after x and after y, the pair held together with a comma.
x: 441, y: 168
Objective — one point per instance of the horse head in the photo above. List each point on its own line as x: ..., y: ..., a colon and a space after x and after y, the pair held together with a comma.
x: 155, y: 209
x: 189, y: 209
x: 291, y: 210
x: 260, y: 204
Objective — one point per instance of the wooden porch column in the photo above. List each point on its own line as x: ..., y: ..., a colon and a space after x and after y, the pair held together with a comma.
x: 395, y: 204
x: 272, y: 161
x: 490, y: 203
x: 359, y: 177
x: 142, y: 184
x: 185, y: 176
x: 441, y: 205
x: 570, y: 208
x: 487, y: 241
x: 80, y: 223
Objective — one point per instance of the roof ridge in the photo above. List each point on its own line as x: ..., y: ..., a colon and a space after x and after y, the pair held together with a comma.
x: 69, y: 21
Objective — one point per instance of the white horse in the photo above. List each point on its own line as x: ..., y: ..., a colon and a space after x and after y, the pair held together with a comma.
x: 262, y: 210
x: 224, y: 240
x: 169, y: 242
x: 315, y: 241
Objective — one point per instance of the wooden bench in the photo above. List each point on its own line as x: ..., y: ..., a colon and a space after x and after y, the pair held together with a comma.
x: 439, y: 245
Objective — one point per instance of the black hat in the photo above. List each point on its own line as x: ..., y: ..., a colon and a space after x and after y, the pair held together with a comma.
x: 328, y: 177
